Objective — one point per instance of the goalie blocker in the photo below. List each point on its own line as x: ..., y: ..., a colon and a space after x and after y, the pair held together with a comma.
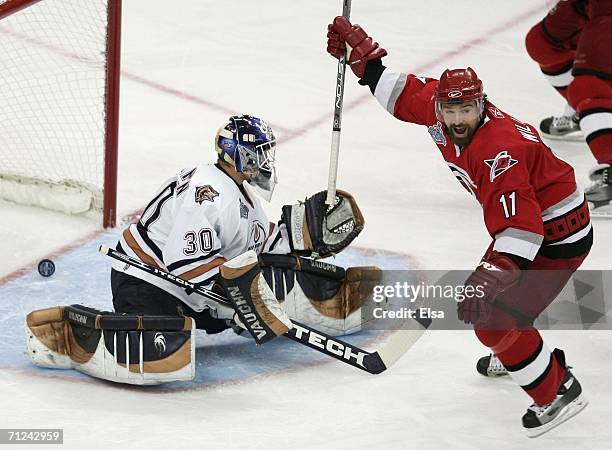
x: 130, y: 349
x: 258, y: 310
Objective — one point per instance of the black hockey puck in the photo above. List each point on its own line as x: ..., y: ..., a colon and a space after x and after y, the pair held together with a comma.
x: 46, y: 268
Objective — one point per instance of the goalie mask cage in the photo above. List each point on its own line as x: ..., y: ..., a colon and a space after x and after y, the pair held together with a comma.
x: 59, y: 104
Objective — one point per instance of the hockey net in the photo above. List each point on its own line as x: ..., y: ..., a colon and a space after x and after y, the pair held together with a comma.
x: 59, y: 90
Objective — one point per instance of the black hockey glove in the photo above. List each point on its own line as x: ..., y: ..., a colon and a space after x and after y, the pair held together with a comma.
x: 314, y: 227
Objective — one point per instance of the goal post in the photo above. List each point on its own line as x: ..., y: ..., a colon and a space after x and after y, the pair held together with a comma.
x: 113, y: 51
x: 59, y: 104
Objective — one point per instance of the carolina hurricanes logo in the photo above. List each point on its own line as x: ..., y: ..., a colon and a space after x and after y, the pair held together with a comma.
x: 205, y: 193
x: 502, y: 162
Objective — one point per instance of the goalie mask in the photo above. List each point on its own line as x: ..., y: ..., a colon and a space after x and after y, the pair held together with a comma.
x: 248, y: 144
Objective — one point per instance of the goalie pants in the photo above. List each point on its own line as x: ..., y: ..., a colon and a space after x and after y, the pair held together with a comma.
x: 132, y: 295
x: 510, y: 333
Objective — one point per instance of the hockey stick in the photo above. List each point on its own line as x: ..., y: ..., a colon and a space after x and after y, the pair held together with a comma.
x: 300, y: 263
x: 335, y: 146
x: 372, y: 362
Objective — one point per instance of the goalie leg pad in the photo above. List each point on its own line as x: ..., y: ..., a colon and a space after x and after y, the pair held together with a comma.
x: 255, y: 303
x: 48, y: 338
x: 130, y: 349
x: 331, y: 306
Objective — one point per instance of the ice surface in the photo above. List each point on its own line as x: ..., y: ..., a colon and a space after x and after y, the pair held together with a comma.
x: 186, y: 66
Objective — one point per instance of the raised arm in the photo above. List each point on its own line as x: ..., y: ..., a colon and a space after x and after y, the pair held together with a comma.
x: 407, y: 97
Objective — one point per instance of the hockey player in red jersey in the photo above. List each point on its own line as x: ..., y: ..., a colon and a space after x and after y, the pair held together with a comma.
x: 535, y: 213
x: 572, y: 47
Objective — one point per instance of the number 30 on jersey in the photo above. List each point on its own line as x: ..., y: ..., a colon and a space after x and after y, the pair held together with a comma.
x: 201, y: 241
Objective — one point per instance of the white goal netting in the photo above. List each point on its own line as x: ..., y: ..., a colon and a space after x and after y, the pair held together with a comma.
x: 52, y: 104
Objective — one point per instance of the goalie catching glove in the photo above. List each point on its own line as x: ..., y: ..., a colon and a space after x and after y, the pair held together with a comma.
x: 315, y: 227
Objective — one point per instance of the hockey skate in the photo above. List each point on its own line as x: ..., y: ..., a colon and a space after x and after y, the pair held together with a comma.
x: 561, y: 127
x: 569, y: 402
x: 491, y: 366
x: 599, y: 194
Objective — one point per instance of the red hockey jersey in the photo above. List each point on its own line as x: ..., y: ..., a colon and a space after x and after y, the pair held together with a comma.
x: 521, y: 185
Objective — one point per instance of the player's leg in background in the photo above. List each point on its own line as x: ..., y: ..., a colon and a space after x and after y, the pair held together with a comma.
x: 590, y: 94
x: 552, y: 43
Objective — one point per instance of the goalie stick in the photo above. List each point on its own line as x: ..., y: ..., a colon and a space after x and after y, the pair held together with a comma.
x: 372, y: 362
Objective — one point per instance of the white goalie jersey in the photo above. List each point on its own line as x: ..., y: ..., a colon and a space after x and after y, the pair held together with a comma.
x: 199, y: 219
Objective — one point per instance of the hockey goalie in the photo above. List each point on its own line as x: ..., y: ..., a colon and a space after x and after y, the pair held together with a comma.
x: 206, y: 225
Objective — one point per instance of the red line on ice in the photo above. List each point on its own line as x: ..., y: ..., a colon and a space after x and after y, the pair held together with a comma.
x: 288, y: 134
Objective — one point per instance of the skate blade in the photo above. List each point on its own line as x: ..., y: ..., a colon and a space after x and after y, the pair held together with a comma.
x: 601, y: 212
x: 570, y: 137
x: 495, y: 374
x: 572, y: 409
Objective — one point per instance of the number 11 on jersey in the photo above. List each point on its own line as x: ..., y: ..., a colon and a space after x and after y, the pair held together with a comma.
x: 508, y: 212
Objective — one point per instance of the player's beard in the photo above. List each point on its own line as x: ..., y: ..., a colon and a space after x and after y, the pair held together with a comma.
x: 461, y: 134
